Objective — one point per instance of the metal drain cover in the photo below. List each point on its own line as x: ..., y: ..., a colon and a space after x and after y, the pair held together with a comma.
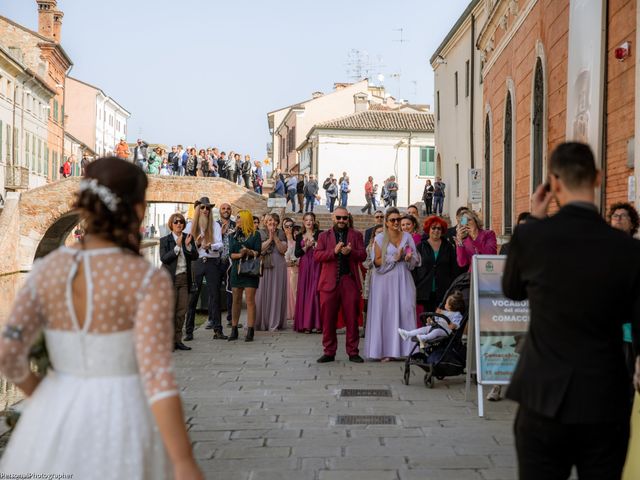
x: 366, y: 420
x: 365, y: 392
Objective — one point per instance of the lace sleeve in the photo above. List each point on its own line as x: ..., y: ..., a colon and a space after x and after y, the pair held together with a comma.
x: 19, y: 332
x: 154, y: 335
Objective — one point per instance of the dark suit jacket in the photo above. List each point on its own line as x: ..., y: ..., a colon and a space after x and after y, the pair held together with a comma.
x: 367, y: 235
x: 169, y: 258
x: 582, y: 279
x: 325, y: 254
x: 444, y: 269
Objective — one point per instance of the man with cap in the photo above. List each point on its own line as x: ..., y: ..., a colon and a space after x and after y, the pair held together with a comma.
x: 208, y: 236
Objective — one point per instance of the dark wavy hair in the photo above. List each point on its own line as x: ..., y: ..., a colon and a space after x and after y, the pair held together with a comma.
x: 633, y: 214
x: 129, y: 183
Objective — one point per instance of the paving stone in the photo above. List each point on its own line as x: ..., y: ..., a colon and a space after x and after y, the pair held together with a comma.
x: 267, y: 411
x: 361, y: 475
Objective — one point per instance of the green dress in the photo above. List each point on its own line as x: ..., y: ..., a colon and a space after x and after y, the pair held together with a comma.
x: 236, y: 242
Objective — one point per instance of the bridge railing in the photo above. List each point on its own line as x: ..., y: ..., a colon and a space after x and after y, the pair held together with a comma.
x: 16, y: 177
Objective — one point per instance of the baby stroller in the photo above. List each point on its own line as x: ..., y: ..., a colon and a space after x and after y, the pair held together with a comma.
x: 445, y: 356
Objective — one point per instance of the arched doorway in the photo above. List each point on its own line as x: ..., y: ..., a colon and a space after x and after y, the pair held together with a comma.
x: 508, y: 166
x: 537, y: 127
x: 56, y: 234
x: 487, y: 171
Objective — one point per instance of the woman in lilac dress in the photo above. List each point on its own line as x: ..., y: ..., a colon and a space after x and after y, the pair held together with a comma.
x: 271, y: 296
x: 392, y: 297
x: 307, y: 317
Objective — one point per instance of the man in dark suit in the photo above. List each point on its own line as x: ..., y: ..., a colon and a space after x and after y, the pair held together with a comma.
x: 582, y: 279
x: 340, y: 251
x: 379, y: 216
x: 177, y: 251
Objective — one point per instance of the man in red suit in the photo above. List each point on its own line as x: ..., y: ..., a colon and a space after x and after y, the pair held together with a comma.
x: 340, y: 251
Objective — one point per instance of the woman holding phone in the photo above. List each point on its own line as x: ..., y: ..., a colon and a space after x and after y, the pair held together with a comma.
x: 472, y: 240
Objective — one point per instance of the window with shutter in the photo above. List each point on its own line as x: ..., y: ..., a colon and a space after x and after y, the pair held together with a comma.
x: 537, y: 125
x: 508, y: 166
x: 427, y: 162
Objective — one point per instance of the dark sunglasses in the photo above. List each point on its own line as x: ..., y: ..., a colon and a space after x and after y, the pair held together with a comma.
x: 342, y: 217
x: 394, y: 220
x: 379, y: 216
x: 436, y: 227
x: 204, y: 207
x: 176, y: 221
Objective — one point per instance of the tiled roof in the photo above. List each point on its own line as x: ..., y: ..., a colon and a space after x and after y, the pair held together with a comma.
x: 382, y: 121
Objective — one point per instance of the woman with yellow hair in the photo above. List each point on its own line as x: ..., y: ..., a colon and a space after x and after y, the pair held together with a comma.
x: 244, y: 244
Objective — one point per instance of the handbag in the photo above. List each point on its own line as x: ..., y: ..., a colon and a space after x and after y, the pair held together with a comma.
x: 250, y: 267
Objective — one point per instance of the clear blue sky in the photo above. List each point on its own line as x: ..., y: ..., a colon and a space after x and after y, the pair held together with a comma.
x: 206, y: 72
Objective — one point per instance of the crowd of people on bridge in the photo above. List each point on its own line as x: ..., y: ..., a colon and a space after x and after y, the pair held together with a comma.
x: 190, y: 161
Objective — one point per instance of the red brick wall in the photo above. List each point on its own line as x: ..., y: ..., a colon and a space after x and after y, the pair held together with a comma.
x: 620, y: 104
x: 547, y: 22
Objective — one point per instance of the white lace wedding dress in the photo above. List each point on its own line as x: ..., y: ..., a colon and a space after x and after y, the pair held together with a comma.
x: 90, y: 416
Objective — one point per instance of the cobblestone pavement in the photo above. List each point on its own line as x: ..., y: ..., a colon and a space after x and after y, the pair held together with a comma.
x: 267, y: 410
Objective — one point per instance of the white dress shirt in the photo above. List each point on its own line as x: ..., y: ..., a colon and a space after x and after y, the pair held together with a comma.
x: 182, y: 262
x: 216, y: 246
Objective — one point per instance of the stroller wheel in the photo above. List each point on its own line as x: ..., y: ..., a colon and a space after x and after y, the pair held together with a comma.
x: 428, y: 380
x: 407, y: 374
x: 440, y: 378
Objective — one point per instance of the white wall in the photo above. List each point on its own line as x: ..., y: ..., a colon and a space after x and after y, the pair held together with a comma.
x: 361, y: 154
x: 452, y: 133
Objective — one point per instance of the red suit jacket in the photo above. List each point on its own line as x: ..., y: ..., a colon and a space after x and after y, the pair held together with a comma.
x: 325, y: 254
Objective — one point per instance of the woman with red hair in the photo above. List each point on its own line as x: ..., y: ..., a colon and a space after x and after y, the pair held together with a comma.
x: 438, y: 269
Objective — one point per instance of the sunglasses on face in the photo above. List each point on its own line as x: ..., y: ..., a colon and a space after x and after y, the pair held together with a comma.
x: 175, y: 222
x: 204, y: 207
x: 435, y: 227
x: 342, y: 217
x: 394, y: 220
x: 379, y: 216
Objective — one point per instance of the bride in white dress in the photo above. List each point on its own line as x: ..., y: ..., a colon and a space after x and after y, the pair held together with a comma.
x: 109, y: 407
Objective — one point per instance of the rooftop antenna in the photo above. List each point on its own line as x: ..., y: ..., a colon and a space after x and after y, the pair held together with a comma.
x: 360, y: 66
x: 402, y: 40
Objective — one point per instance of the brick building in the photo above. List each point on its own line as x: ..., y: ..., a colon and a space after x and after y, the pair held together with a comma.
x: 41, y: 52
x: 548, y: 77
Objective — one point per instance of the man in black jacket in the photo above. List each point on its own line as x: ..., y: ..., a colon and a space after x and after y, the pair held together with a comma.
x: 177, y: 251
x: 582, y: 279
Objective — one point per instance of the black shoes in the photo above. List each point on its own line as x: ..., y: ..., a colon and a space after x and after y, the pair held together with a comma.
x: 188, y: 337
x: 249, y: 337
x: 181, y: 346
x: 208, y: 326
x: 219, y: 336
x: 356, y: 359
x: 234, y: 334
x: 326, y: 359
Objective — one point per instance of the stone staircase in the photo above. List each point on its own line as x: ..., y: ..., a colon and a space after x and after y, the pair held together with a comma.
x: 360, y: 221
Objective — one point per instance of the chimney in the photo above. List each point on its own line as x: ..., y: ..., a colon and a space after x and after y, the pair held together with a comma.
x: 57, y: 25
x: 315, y: 95
x: 361, y: 102
x: 46, y: 10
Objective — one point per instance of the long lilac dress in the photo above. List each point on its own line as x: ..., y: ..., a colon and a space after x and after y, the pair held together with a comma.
x: 307, y: 315
x: 271, y: 296
x: 392, y: 302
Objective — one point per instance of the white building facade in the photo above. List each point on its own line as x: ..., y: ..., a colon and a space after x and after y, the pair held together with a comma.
x: 24, y: 113
x: 459, y: 110
x: 378, y: 144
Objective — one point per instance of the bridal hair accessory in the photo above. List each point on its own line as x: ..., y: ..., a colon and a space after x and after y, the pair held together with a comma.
x: 104, y: 193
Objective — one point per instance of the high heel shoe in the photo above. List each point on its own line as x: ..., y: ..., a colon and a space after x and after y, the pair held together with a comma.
x: 234, y: 334
x: 249, y: 337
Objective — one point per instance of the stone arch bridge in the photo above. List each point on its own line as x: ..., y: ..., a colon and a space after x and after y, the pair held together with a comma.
x: 35, y: 222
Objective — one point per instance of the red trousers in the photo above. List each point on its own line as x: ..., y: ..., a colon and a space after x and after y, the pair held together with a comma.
x: 345, y: 295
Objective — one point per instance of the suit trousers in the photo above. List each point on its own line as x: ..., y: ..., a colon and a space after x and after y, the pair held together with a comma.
x: 549, y: 449
x: 181, y: 286
x: 211, y: 271
x: 347, y: 295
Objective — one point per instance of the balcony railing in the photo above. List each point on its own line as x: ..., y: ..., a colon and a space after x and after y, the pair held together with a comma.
x: 16, y: 177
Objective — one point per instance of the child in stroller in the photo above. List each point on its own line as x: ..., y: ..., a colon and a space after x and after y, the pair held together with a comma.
x: 436, y: 328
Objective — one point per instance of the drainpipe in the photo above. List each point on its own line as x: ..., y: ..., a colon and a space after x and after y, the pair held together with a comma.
x: 13, y: 121
x: 409, y: 170
x: 603, y: 145
x: 472, y: 93
x: 64, y: 110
